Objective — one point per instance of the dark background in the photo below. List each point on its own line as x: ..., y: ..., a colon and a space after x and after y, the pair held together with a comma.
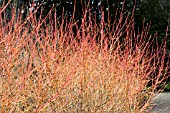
x: 154, y: 12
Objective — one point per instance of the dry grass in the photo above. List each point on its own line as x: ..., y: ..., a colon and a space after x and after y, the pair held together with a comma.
x: 53, y: 69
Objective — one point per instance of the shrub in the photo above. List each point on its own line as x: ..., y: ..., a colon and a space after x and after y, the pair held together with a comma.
x: 63, y: 67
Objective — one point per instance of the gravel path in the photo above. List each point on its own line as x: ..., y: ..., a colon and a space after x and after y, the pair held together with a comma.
x: 162, y: 102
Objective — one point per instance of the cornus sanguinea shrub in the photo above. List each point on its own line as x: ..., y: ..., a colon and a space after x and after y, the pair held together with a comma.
x: 65, y: 67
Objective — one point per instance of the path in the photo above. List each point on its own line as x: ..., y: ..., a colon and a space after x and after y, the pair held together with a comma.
x: 162, y: 101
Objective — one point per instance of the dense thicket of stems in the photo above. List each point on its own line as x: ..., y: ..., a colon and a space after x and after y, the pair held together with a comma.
x: 64, y: 67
